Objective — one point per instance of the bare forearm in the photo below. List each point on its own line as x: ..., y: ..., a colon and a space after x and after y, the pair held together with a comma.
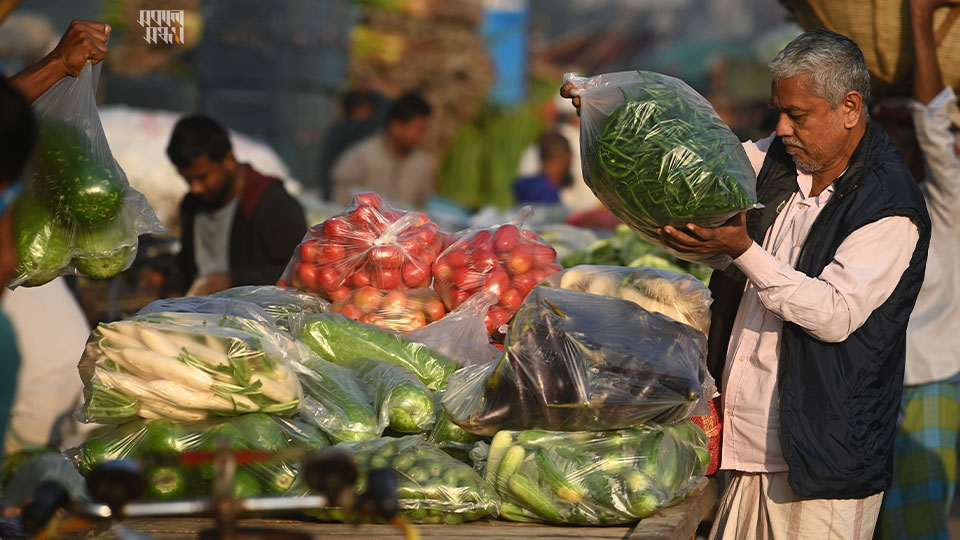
x: 927, y: 79
x: 37, y: 78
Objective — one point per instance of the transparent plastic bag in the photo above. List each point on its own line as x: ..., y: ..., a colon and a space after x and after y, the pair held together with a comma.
x: 78, y: 213
x: 433, y: 487
x: 402, y: 401
x: 288, y: 306
x: 656, y: 153
x: 504, y: 260
x: 165, y: 479
x: 186, y: 366
x: 370, y: 243
x: 337, y: 338
x: 680, y: 297
x: 594, y: 478
x: 462, y: 333
x: 400, y: 310
x: 449, y: 437
x: 336, y: 401
x: 210, y: 306
x: 577, y: 361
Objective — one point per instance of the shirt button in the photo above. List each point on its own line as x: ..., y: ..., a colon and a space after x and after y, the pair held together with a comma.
x: 741, y: 358
x: 729, y: 412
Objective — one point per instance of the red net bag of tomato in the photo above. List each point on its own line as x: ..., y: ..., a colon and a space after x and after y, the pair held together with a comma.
x: 401, y: 310
x: 505, y: 260
x: 370, y: 243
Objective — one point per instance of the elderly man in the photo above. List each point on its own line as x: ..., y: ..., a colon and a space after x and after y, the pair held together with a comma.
x: 809, y: 322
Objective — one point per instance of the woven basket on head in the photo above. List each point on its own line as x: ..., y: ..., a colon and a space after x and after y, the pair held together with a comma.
x: 882, y: 30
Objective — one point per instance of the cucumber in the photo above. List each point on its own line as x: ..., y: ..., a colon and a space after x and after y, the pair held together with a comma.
x: 528, y: 492
x: 512, y: 512
x: 401, y: 399
x: 561, y: 485
x: 337, y: 338
x: 509, y: 466
x: 346, y: 408
x: 498, y: 447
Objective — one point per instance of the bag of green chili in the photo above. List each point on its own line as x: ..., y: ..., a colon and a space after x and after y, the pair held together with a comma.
x: 656, y: 153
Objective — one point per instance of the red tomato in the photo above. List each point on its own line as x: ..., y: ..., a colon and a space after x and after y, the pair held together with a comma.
x: 386, y: 278
x: 506, y: 238
x: 543, y: 254
x: 414, y: 272
x: 425, y: 235
x: 364, y: 215
x: 425, y: 283
x: 530, y: 234
x: 339, y: 293
x: 408, y: 321
x: 351, y: 311
x: 387, y: 256
x: 466, y: 279
x: 372, y: 318
x: 484, y: 260
x: 495, y: 318
x: 458, y: 258
x: 329, y: 278
x: 458, y: 297
x: 550, y: 270
x: 434, y: 310
x: 368, y: 198
x: 394, y: 302
x: 283, y: 283
x: 330, y: 253
x: 309, y: 251
x: 308, y: 274
x: 524, y: 284
x: 520, y: 260
x: 442, y: 270
x: 367, y: 298
x: 360, y: 279
x: 511, y: 300
x: 497, y: 282
x: 409, y: 244
x: 336, y: 227
x: 479, y: 240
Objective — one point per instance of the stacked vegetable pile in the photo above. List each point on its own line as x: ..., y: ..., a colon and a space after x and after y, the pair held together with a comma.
x: 656, y: 153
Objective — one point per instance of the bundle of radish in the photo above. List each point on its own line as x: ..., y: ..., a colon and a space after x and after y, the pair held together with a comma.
x: 370, y: 243
x: 186, y: 366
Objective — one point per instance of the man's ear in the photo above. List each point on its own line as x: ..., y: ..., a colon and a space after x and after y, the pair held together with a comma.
x: 229, y: 161
x: 852, y: 108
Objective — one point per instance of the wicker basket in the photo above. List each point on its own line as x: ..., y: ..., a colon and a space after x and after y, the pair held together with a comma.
x: 882, y: 30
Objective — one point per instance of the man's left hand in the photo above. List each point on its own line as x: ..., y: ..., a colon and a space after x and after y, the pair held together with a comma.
x: 731, y: 238
x: 211, y: 283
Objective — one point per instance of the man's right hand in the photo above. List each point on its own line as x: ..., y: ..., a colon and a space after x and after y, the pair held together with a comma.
x: 83, y: 41
x: 567, y: 88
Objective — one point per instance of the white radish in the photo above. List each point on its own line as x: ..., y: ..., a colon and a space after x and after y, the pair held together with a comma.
x: 168, y: 368
x: 123, y: 383
x: 114, y: 354
x: 164, y: 410
x: 156, y: 341
x: 127, y: 328
x: 192, y: 399
x: 147, y: 412
x: 278, y: 389
x: 205, y: 354
x: 119, y: 339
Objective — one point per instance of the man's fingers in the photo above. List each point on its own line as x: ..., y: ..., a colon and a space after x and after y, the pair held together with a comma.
x: 566, y: 89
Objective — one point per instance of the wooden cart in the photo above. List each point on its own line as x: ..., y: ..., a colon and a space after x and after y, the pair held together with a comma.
x: 676, y: 523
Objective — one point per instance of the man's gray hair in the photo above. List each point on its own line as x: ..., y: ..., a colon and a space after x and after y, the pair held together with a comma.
x: 833, y: 61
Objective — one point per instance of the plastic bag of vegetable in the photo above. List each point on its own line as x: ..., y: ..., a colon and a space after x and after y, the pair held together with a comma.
x: 462, y: 333
x: 656, y: 153
x: 400, y: 310
x: 78, y: 213
x: 370, y: 243
x: 680, y: 297
x: 337, y: 338
x: 449, y: 437
x: 288, y: 306
x: 148, y: 440
x: 579, y: 361
x: 210, y: 306
x: 433, y: 487
x: 337, y: 401
x: 400, y: 398
x: 186, y: 366
x: 503, y: 260
x: 594, y: 478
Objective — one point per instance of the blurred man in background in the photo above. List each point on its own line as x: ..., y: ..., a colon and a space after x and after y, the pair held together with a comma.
x: 925, y: 450
x: 392, y: 162
x: 238, y: 227
x: 360, y: 119
x: 554, y: 175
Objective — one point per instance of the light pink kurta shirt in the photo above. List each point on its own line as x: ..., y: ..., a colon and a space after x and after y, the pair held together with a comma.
x: 863, y: 274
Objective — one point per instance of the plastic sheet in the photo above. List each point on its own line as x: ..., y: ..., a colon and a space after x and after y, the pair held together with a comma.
x: 186, y: 366
x: 599, y: 478
x: 656, y: 153
x: 148, y: 440
x: 337, y: 401
x: 78, y: 213
x: 680, y: 297
x: 433, y: 487
x: 400, y: 310
x: 505, y: 260
x: 579, y: 361
x: 370, y: 243
x: 462, y: 333
x: 288, y: 306
x: 209, y: 305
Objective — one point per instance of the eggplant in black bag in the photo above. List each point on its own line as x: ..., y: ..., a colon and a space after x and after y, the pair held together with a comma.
x: 578, y: 361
